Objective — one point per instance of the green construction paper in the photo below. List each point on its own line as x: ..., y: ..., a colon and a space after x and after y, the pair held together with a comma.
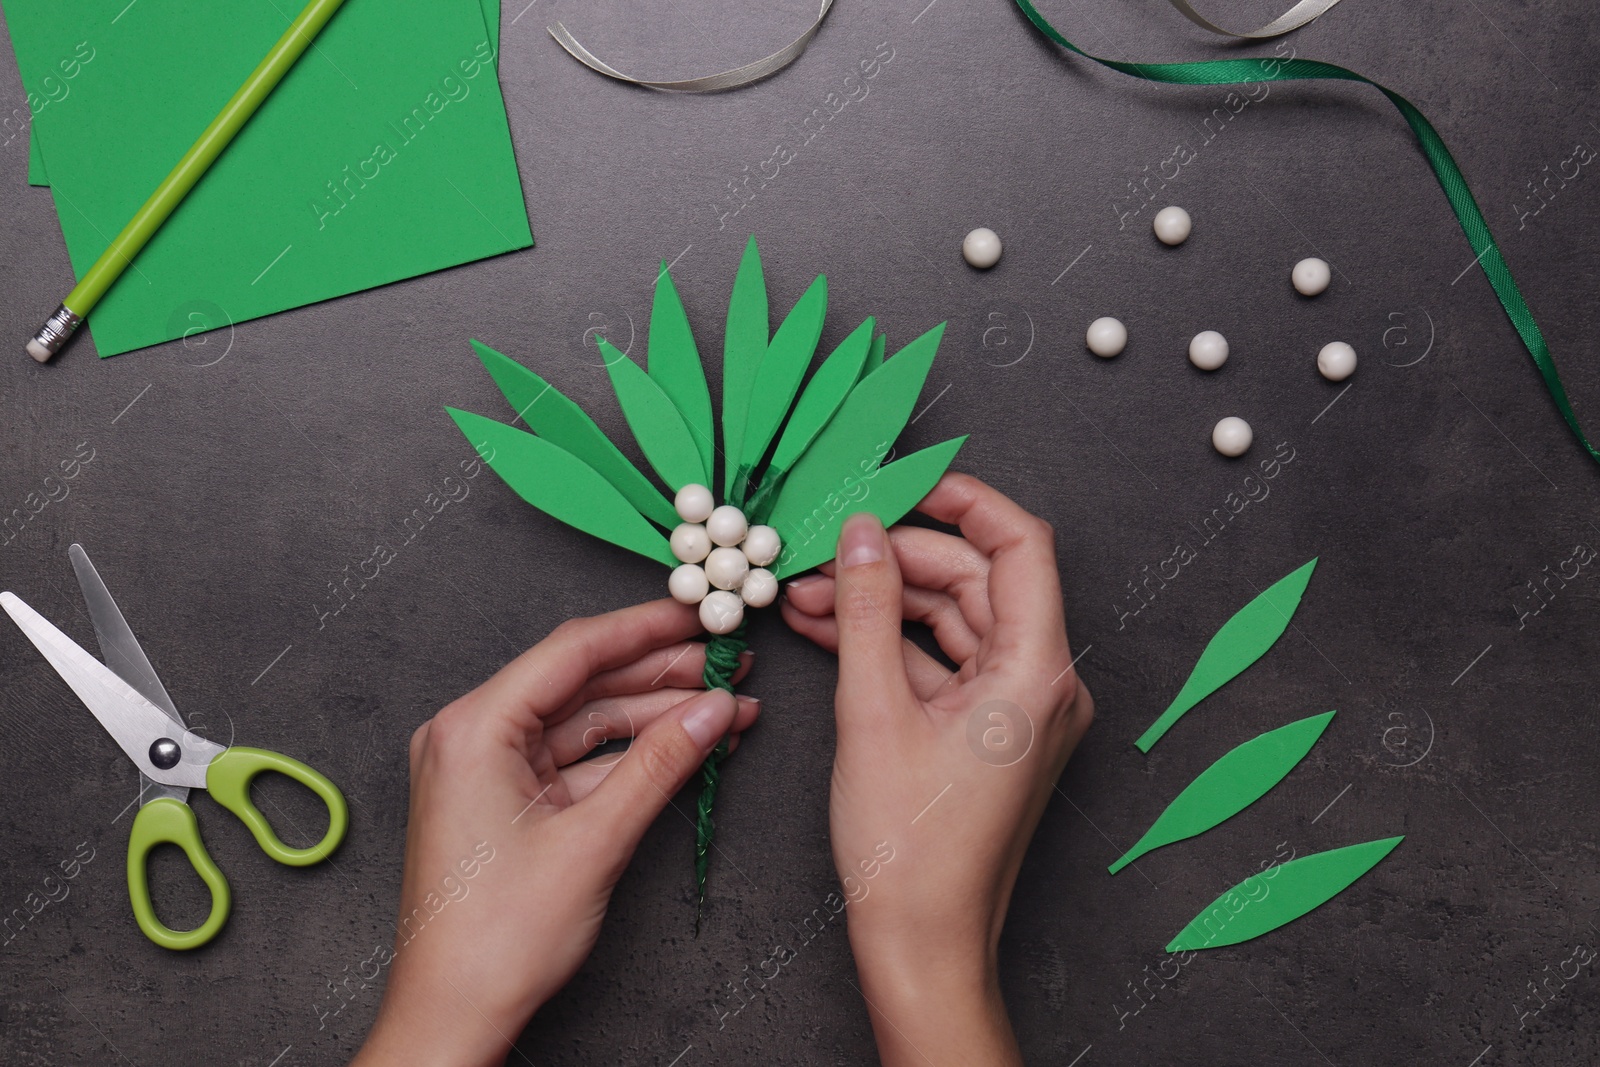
x: 36, y: 174
x: 892, y: 490
x: 567, y: 426
x: 1231, y: 784
x: 1264, y: 902
x: 875, y: 354
x: 491, y: 22
x: 744, y: 343
x: 822, y: 397
x: 859, y: 436
x: 663, y: 436
x: 1242, y: 640
x: 561, y: 485
x: 778, y: 379
x: 384, y: 153
x: 674, y: 365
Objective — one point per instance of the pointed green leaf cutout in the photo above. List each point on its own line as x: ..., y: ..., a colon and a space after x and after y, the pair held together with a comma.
x: 564, y: 424
x: 875, y: 354
x: 1231, y: 784
x: 822, y: 397
x: 655, y: 421
x: 561, y: 485
x: 1261, y: 904
x: 891, y: 491
x: 674, y: 364
x: 778, y: 378
x: 744, y: 343
x: 1242, y: 640
x: 859, y: 436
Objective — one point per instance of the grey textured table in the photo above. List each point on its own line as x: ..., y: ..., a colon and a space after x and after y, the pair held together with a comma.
x: 226, y: 487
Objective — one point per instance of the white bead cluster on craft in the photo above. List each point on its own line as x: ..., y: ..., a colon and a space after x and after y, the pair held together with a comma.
x: 723, y: 560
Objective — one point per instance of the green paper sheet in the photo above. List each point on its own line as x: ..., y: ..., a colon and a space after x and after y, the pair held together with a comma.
x: 382, y: 155
x: 561, y: 485
x: 658, y: 426
x: 778, y: 379
x: 1264, y: 902
x: 744, y: 343
x: 1242, y: 640
x: 1231, y: 784
x: 673, y: 362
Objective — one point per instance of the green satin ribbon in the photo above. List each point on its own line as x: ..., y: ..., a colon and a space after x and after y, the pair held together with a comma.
x: 1236, y: 71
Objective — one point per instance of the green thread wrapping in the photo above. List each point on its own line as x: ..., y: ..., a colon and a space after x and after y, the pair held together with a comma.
x: 1451, y: 180
x: 722, y: 659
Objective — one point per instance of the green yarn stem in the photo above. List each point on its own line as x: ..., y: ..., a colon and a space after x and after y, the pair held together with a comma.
x: 722, y: 659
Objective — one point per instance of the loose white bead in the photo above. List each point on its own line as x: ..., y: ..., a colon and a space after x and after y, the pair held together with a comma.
x: 1172, y: 225
x: 760, y: 588
x: 688, y: 583
x: 1106, y: 337
x: 726, y: 526
x: 1231, y: 436
x: 1208, y: 350
x: 694, y: 503
x: 721, y: 612
x: 981, y: 248
x: 761, y: 545
x: 689, y: 542
x: 1336, y: 361
x: 726, y: 567
x: 1310, y: 276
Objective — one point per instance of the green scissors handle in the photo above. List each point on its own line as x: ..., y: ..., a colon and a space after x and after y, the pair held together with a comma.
x: 169, y: 821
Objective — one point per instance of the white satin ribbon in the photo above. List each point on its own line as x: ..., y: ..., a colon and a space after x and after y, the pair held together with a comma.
x: 1292, y: 19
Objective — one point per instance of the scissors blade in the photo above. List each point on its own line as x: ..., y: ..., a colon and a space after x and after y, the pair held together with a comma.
x: 131, y: 720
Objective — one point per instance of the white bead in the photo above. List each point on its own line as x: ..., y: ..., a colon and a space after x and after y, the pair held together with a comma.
x: 694, y: 503
x: 1106, y: 337
x: 726, y: 567
x: 1310, y: 276
x: 761, y: 545
x: 1208, y: 350
x: 689, y: 542
x: 726, y: 526
x: 1336, y: 361
x: 721, y: 612
x: 981, y: 248
x: 1172, y: 225
x: 688, y: 583
x: 1231, y: 436
x: 760, y: 588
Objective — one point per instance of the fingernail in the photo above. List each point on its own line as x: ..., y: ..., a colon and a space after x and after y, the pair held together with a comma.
x: 747, y: 701
x: 708, y: 717
x: 801, y: 583
x: 861, y: 540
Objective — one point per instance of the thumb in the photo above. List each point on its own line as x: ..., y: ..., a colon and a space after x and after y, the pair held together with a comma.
x: 867, y: 593
x: 657, y: 765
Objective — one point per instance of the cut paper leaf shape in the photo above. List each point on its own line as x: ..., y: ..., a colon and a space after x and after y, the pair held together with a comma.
x: 777, y: 379
x: 1242, y: 640
x: 675, y: 366
x: 744, y: 343
x: 657, y: 425
x: 1264, y: 902
x: 1231, y: 784
x: 562, y: 486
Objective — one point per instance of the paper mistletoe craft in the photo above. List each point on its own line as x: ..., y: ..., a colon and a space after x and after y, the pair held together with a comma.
x: 794, y: 463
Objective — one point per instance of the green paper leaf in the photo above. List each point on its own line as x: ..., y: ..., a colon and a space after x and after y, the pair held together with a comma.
x: 674, y: 364
x: 561, y: 485
x: 822, y: 397
x: 1231, y: 784
x: 810, y: 539
x: 875, y: 354
x: 656, y: 423
x: 1262, y: 903
x: 564, y: 424
x: 1242, y: 640
x: 744, y: 343
x: 778, y: 378
x: 859, y: 436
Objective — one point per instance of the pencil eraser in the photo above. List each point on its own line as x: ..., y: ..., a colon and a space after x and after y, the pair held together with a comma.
x: 38, y: 351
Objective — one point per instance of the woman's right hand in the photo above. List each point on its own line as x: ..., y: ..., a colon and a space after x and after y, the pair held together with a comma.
x: 940, y: 777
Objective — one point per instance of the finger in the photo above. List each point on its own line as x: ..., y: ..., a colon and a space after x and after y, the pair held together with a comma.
x: 936, y: 610
x: 930, y: 560
x: 682, y: 666
x: 928, y: 677
x: 657, y: 764
x: 624, y: 716
x: 867, y: 594
x: 582, y: 777
x: 543, y: 679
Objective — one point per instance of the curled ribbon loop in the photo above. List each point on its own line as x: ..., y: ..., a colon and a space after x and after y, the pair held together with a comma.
x: 711, y: 83
x: 1298, y: 15
x: 1451, y: 180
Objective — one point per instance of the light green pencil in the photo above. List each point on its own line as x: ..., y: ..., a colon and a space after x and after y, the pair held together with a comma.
x: 170, y: 193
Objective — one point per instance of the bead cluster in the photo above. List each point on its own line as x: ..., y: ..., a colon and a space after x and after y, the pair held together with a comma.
x: 723, y: 560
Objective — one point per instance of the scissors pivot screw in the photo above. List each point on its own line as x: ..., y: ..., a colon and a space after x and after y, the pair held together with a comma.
x: 165, y: 753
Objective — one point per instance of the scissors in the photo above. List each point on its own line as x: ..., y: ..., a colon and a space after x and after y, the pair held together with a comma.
x: 131, y: 703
